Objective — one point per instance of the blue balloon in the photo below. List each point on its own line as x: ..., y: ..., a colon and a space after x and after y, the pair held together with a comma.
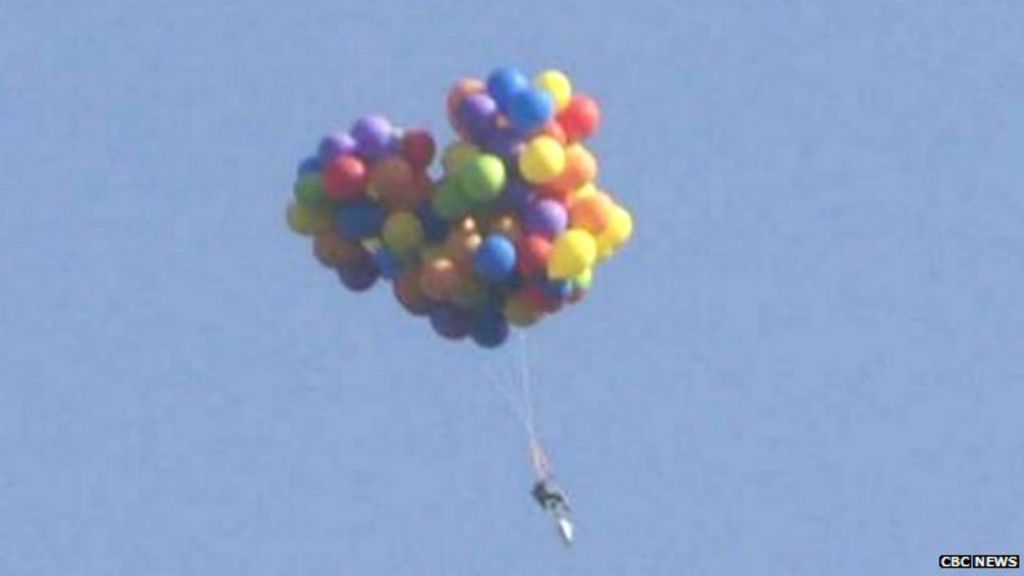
x: 495, y: 259
x: 530, y: 110
x: 559, y: 290
x: 435, y: 228
x: 389, y: 265
x: 359, y: 221
x: 504, y: 83
x: 490, y: 328
x: 308, y: 165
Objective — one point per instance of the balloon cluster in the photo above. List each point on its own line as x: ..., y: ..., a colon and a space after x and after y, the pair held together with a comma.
x: 512, y: 231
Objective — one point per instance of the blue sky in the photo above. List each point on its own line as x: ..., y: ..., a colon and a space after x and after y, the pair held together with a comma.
x: 807, y: 362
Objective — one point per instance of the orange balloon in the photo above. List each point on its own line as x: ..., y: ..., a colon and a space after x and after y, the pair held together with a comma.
x: 459, y: 92
x: 463, y: 240
x: 439, y: 279
x: 507, y: 225
x: 555, y: 130
x: 391, y: 177
x: 410, y: 294
x: 580, y: 168
x: 591, y: 213
x: 333, y: 251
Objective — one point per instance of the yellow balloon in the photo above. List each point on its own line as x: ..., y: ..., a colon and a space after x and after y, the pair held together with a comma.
x: 572, y: 254
x: 520, y: 313
x: 402, y: 232
x: 617, y: 233
x: 542, y: 160
x: 557, y: 84
x: 457, y: 154
x: 308, y: 221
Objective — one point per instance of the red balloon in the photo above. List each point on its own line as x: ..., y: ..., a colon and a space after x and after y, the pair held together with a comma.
x: 345, y: 178
x: 540, y: 301
x: 534, y: 252
x: 418, y: 148
x: 580, y: 118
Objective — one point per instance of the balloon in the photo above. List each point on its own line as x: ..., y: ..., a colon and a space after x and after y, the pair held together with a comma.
x: 490, y: 328
x: 388, y: 263
x: 478, y: 116
x: 495, y: 259
x: 591, y: 213
x: 449, y: 321
x: 506, y: 144
x: 533, y: 254
x: 470, y: 293
x: 334, y: 145
x: 308, y: 165
x: 572, y: 253
x: 580, y: 118
x: 618, y: 231
x: 516, y: 196
x: 555, y: 130
x: 542, y: 160
x: 558, y: 289
x: 482, y: 178
x: 463, y: 241
x: 448, y: 202
x: 539, y: 301
x: 584, y: 279
x: 557, y: 85
x: 359, y: 221
x: 408, y: 292
x: 530, y: 109
x: 545, y: 217
x: 456, y: 155
x: 434, y: 227
x: 390, y: 178
x: 505, y: 83
x: 580, y: 169
x: 309, y: 189
x: 402, y: 232
x: 418, y: 148
x: 520, y: 312
x: 345, y: 179
x: 308, y: 221
x: 457, y: 94
x: 439, y: 278
x: 373, y: 135
x: 360, y: 275
x: 507, y: 225
x: 333, y: 251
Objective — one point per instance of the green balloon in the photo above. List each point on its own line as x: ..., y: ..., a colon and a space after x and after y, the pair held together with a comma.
x: 309, y: 190
x: 448, y: 201
x: 482, y: 178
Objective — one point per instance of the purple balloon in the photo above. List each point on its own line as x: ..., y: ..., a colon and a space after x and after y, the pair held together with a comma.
x: 516, y: 196
x: 545, y: 218
x: 334, y: 145
x: 505, y: 143
x: 373, y: 135
x: 450, y: 321
x: 360, y: 275
x: 478, y: 114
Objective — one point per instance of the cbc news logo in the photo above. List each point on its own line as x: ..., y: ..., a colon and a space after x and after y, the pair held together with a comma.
x: 980, y: 561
